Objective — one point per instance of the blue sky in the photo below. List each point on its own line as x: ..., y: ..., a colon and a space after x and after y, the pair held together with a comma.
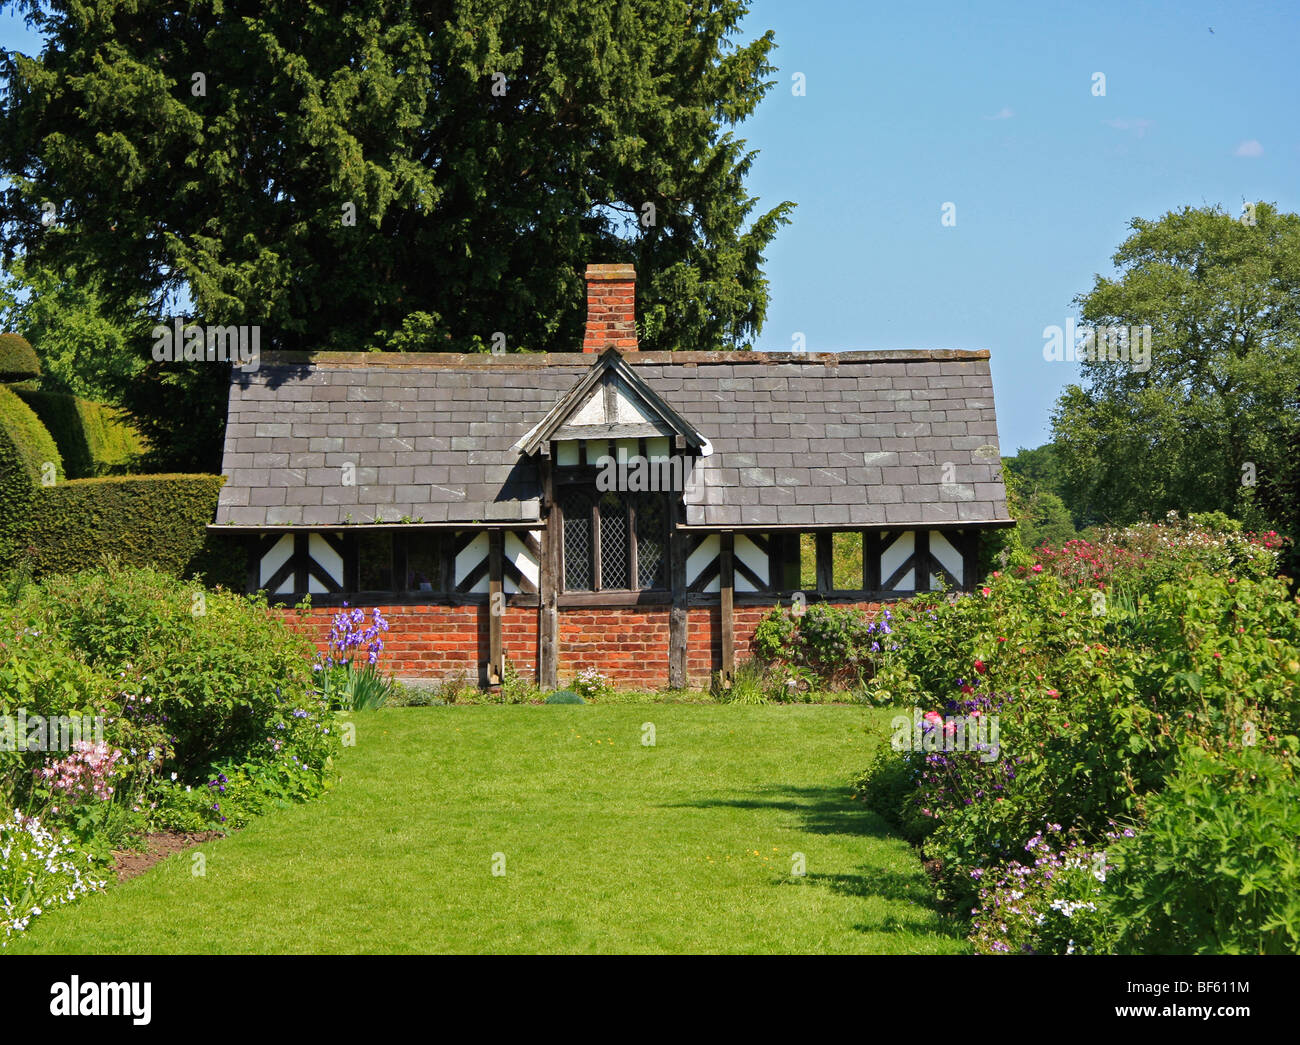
x: 991, y: 107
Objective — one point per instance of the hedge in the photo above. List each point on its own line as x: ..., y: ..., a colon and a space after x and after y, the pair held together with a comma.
x: 91, y: 436
x: 17, y: 358
x: 159, y: 521
x: 25, y: 446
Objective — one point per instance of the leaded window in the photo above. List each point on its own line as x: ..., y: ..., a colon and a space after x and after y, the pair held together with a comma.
x: 614, y: 541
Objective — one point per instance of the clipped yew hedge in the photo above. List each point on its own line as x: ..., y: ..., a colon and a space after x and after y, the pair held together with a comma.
x: 155, y: 521
x: 25, y: 447
x: 90, y: 436
x: 18, y: 360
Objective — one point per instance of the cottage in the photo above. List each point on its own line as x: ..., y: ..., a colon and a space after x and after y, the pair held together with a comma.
x: 473, y: 497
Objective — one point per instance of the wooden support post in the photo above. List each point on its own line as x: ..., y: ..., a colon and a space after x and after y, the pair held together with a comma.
x: 253, y: 564
x: 677, y: 616
x: 825, y: 563
x: 727, y: 587
x: 970, y: 559
x: 301, y: 546
x: 548, y: 619
x: 791, y: 557
x: 871, y: 560
x: 496, y: 607
x: 351, y: 563
x: 447, y: 561
x: 921, y: 549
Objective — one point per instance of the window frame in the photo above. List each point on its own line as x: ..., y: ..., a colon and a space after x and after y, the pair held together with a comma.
x: 398, y: 548
x: 585, y: 485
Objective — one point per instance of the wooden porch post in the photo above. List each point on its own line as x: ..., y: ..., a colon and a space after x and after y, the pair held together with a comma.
x: 871, y: 560
x: 921, y: 546
x: 677, y: 616
x: 970, y: 559
x: 825, y: 562
x: 496, y: 607
x: 727, y: 585
x: 548, y: 620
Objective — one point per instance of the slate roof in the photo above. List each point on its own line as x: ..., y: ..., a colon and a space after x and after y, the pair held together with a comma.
x: 825, y: 439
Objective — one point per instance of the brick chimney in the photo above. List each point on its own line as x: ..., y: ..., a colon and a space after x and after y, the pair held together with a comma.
x: 611, y: 308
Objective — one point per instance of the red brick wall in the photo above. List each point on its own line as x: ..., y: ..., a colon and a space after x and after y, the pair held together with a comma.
x: 627, y: 645
x: 433, y: 642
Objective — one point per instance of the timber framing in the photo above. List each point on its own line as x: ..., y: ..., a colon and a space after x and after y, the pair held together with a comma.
x: 481, y: 484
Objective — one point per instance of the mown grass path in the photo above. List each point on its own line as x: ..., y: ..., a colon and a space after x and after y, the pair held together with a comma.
x: 609, y: 845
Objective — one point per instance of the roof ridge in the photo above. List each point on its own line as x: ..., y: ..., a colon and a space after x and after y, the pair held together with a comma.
x: 445, y: 360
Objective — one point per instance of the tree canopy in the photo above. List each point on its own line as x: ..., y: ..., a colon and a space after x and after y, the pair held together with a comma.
x: 1211, y: 423
x: 387, y: 174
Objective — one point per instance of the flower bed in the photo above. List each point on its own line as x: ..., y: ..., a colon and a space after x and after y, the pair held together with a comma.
x: 1187, y: 666
x: 133, y: 702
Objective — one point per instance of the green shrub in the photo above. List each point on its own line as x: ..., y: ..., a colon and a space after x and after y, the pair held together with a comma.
x: 564, y: 696
x: 195, y: 713
x: 18, y: 360
x: 92, y: 438
x: 232, y: 681
x: 1094, y: 697
x: 888, y: 788
x: 25, y: 448
x: 1214, y: 870
x: 774, y: 636
x: 837, y: 644
x: 154, y: 521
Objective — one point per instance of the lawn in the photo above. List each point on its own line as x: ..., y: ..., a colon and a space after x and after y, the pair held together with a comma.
x: 609, y: 845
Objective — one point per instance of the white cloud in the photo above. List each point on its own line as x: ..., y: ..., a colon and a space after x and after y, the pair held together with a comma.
x: 1002, y: 114
x: 1250, y: 148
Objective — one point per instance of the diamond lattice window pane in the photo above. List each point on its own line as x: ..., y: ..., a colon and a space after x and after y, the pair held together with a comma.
x: 614, y: 543
x: 650, y: 533
x: 576, y: 509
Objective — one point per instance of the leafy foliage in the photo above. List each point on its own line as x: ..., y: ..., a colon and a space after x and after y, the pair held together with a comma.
x: 199, y: 720
x: 836, y: 644
x: 1222, y: 395
x: 86, y: 348
x: 18, y: 360
x: 1104, y: 664
x: 156, y: 521
x: 25, y: 446
x: 1216, y: 869
x: 93, y: 439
